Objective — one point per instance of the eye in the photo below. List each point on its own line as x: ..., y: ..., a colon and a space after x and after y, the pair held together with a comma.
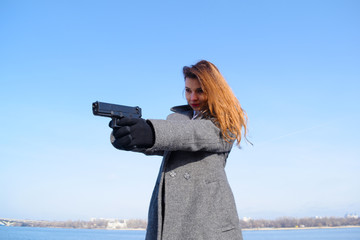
x: 199, y: 91
x: 187, y: 90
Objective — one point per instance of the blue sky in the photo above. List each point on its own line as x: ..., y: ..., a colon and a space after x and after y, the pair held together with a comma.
x: 294, y: 66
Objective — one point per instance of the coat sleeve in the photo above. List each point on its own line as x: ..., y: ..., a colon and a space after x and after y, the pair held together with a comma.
x: 188, y: 135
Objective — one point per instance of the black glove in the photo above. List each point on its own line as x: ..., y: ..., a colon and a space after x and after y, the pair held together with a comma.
x: 132, y: 133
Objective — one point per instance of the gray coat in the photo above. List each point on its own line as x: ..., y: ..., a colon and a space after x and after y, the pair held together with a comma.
x: 192, y: 199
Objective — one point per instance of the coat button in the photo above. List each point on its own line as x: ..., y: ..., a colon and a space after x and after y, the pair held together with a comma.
x: 172, y: 174
x: 187, y: 176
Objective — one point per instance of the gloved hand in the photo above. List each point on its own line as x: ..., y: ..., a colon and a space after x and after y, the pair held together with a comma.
x: 132, y: 133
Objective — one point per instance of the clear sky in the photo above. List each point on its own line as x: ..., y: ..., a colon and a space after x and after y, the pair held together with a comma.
x: 294, y: 66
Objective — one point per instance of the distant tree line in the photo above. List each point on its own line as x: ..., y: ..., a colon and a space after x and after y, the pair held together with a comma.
x: 136, y: 223
x: 93, y: 224
x: 288, y: 222
x: 284, y: 222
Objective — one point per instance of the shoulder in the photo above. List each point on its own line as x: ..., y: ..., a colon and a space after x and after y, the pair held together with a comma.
x: 184, y: 112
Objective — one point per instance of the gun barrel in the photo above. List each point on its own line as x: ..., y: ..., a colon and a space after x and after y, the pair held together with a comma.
x: 113, y: 110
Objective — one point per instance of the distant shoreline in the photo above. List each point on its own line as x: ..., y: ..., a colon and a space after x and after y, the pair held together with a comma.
x: 253, y: 229
x: 140, y: 225
x: 243, y: 229
x: 294, y: 228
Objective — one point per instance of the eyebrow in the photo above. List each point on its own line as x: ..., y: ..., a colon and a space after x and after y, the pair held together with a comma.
x: 195, y: 89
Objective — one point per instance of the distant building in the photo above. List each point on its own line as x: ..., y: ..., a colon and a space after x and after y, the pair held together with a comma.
x: 110, y: 223
x: 352, y: 215
x: 116, y: 224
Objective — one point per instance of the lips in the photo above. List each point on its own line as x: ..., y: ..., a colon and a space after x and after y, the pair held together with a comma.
x: 195, y: 105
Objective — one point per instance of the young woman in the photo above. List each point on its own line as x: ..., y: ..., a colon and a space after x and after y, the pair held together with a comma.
x: 192, y: 198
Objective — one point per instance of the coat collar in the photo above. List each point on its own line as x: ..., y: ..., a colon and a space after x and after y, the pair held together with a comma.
x: 181, y: 108
x: 184, y: 110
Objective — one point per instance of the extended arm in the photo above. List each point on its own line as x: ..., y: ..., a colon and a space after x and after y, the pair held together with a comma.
x: 188, y: 135
x: 154, y: 136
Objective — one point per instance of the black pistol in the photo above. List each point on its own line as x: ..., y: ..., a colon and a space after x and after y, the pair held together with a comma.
x: 115, y: 111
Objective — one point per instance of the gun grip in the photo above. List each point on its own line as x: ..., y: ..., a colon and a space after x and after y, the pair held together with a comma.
x: 114, y: 118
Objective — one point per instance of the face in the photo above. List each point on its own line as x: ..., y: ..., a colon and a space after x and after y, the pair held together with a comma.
x: 195, y: 96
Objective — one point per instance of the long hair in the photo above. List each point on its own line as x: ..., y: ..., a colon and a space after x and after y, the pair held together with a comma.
x: 222, y: 106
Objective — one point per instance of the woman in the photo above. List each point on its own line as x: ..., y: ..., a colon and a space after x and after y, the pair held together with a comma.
x: 192, y: 198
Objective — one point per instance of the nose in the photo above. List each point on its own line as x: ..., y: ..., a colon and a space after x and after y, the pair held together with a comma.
x: 194, y: 97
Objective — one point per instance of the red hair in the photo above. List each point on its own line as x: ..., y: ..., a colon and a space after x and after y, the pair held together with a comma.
x: 222, y: 106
